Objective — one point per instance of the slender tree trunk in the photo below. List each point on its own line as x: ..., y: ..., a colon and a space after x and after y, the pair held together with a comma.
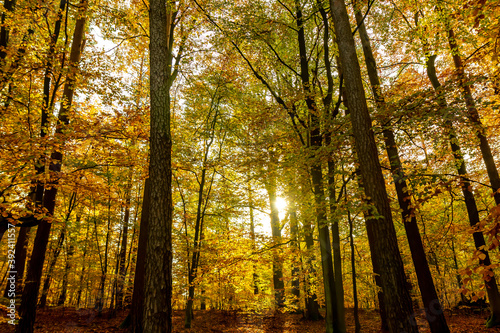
x: 474, y: 118
x: 432, y: 306
x: 294, y: 229
x: 158, y: 275
x: 332, y: 320
x: 357, y: 324
x: 337, y: 255
x: 123, y: 250
x: 470, y: 201
x: 278, y: 284
x: 312, y: 306
x: 27, y: 310
x: 69, y: 255
x: 52, y: 264
x: 82, y: 274
x: 380, y: 228
x: 136, y: 309
x: 255, y: 276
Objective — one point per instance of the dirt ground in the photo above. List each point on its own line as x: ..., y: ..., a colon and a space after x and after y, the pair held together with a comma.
x: 212, y: 321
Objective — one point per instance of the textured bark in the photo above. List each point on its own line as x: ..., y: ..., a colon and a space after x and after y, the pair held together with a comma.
x: 158, y: 269
x: 384, y: 326
x: 432, y: 306
x: 380, y: 228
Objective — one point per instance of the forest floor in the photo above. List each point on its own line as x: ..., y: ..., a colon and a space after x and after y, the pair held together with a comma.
x: 70, y: 320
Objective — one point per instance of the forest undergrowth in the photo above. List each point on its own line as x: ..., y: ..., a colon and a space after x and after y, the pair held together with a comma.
x: 71, y: 320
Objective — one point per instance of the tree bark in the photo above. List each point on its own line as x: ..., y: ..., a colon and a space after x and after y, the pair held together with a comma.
x: 158, y: 269
x: 380, y: 228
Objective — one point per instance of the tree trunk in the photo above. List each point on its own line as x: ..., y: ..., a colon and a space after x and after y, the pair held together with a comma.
x: 136, y: 309
x: 294, y: 229
x: 21, y: 250
x: 278, y: 284
x: 27, y: 310
x: 255, y: 276
x: 470, y: 201
x: 332, y: 320
x: 52, y: 264
x: 432, y: 306
x: 474, y: 118
x: 69, y: 255
x: 123, y: 250
x: 158, y: 275
x: 357, y: 324
x: 380, y: 228
x: 312, y: 306
x: 82, y: 274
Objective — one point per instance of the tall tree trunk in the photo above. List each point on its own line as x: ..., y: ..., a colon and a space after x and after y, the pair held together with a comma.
x: 470, y: 201
x: 432, y: 306
x: 27, y: 310
x: 384, y: 326
x: 380, y: 228
x: 332, y: 320
x: 158, y: 277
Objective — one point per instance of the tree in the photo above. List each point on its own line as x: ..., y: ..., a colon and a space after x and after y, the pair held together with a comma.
x: 158, y: 269
x: 381, y: 233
